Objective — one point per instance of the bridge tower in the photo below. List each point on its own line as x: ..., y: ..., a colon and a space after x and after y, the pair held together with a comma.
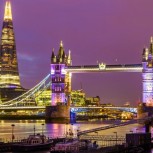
x: 147, y: 74
x: 61, y: 80
x: 59, y: 111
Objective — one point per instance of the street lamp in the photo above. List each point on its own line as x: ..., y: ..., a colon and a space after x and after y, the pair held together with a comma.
x: 66, y: 130
x: 13, y: 132
x: 116, y: 137
x: 42, y: 129
x: 72, y: 130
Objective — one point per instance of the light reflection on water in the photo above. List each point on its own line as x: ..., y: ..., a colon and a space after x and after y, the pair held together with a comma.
x: 25, y: 127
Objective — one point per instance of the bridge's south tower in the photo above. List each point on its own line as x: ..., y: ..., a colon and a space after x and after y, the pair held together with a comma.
x: 147, y: 74
x: 61, y: 80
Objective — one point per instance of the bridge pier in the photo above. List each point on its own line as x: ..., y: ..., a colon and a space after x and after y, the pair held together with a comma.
x: 148, y: 127
x: 57, y: 114
x: 144, y: 111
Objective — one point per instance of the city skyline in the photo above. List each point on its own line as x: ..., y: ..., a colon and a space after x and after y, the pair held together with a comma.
x: 120, y: 39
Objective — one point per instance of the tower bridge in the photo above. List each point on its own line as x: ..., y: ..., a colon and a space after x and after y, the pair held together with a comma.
x: 59, y: 79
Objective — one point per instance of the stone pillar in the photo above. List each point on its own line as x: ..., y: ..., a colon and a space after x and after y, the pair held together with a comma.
x: 58, y: 114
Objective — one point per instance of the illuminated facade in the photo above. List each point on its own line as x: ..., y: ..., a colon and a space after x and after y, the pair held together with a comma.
x: 147, y: 74
x: 78, y: 98
x: 9, y: 77
x: 61, y: 80
x: 43, y: 98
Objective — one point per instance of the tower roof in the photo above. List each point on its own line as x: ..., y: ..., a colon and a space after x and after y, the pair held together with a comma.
x: 8, y: 11
x: 61, y: 50
x: 151, y: 45
x: 53, y: 55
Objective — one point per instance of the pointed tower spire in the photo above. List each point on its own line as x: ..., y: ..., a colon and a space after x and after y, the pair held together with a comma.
x: 8, y: 11
x: 69, y: 58
x: 53, y: 55
x: 151, y: 45
x: 151, y: 39
x: 61, y: 50
x: 61, y: 44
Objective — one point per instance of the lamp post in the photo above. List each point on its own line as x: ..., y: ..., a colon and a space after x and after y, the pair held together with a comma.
x: 66, y: 130
x: 116, y: 137
x: 34, y: 129
x: 12, y: 132
x: 72, y: 131
x: 42, y: 129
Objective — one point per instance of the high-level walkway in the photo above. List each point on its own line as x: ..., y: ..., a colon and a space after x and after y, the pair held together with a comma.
x: 104, y: 68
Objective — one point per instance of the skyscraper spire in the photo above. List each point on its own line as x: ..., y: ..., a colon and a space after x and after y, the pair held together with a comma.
x: 8, y: 55
x: 8, y: 12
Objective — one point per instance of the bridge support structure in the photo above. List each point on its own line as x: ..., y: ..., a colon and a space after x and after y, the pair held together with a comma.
x: 147, y: 75
x: 58, y: 114
x: 145, y: 109
x: 60, y: 86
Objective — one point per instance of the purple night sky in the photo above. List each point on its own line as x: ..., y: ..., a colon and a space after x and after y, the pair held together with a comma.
x: 109, y: 31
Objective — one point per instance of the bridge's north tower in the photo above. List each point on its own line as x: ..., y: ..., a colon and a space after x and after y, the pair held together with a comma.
x: 147, y: 74
x: 61, y: 80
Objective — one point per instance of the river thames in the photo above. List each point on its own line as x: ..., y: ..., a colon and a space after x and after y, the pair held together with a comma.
x: 23, y: 128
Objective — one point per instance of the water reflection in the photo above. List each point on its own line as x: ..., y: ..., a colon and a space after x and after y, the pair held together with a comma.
x: 25, y: 127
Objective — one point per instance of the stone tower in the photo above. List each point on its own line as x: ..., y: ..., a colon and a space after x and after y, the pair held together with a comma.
x: 147, y: 74
x: 61, y: 80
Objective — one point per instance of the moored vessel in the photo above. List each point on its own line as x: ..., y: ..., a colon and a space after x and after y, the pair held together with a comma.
x: 33, y: 143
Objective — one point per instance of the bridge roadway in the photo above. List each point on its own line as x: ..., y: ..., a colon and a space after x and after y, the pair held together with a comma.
x: 106, y: 127
x: 73, y: 109
x: 104, y: 68
x: 81, y: 109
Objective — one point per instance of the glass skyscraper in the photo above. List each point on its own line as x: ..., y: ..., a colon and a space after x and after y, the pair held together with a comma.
x: 9, y: 75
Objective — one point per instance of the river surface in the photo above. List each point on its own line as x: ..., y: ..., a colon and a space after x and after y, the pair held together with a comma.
x: 23, y: 128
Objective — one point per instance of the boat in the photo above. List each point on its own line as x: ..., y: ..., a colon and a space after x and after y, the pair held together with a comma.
x: 34, y: 142
x: 68, y: 146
